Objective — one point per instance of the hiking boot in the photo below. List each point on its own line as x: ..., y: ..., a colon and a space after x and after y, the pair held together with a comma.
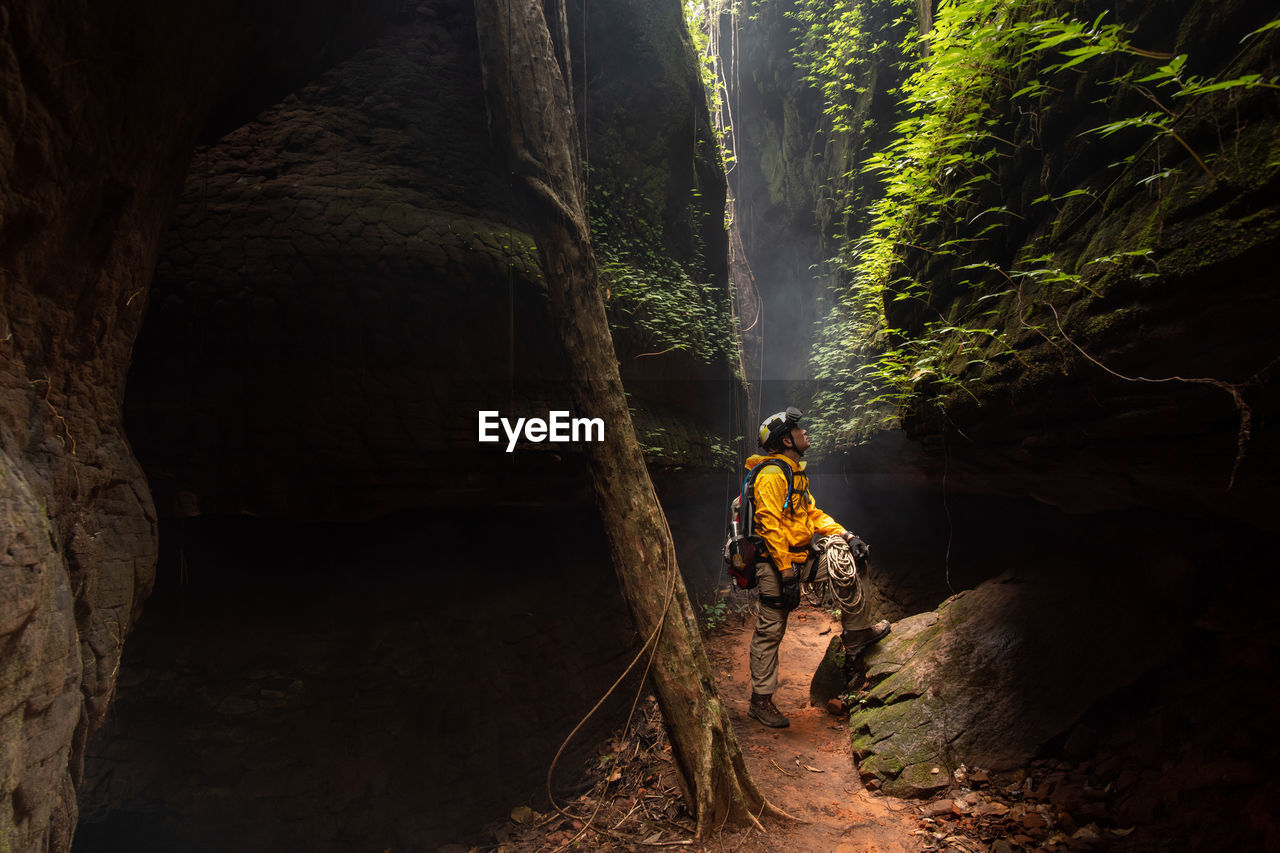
x: 855, y: 642
x: 763, y: 709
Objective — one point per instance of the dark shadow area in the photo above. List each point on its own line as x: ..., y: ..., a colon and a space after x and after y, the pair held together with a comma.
x: 1187, y: 752
x: 1161, y: 637
x: 394, y: 684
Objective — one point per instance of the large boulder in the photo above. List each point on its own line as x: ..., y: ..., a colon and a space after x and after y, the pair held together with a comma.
x: 995, y: 672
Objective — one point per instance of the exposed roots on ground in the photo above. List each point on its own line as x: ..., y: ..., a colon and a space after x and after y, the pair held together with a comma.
x: 635, y: 802
x: 744, y: 804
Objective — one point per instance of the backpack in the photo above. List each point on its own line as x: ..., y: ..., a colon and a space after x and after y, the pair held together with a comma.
x: 742, y: 548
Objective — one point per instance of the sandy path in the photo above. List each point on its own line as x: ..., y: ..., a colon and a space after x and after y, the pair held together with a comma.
x: 839, y: 815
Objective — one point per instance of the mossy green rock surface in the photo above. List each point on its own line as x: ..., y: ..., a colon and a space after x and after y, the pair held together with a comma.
x: 986, y: 679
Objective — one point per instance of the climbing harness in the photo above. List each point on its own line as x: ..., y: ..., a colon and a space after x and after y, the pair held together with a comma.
x: 744, y: 552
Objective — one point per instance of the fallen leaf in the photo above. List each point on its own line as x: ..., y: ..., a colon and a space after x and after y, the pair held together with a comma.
x: 813, y: 769
x: 615, y: 775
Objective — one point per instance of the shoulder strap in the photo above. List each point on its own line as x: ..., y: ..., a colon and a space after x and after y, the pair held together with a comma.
x: 748, y: 498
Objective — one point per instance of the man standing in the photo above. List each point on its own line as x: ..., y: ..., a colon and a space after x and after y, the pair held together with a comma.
x: 789, y: 521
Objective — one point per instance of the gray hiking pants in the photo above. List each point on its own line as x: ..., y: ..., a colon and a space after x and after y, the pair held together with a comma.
x: 771, y: 624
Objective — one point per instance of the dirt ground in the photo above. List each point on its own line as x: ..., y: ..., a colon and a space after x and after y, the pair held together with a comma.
x: 806, y: 769
x: 633, y: 802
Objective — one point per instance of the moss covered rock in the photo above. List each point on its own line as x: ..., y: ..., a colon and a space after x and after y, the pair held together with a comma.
x: 995, y: 672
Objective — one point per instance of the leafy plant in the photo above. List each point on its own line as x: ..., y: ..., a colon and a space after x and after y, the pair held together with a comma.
x: 1171, y: 80
x: 673, y: 303
x: 715, y: 614
x: 941, y: 152
x: 984, y: 64
x: 840, y: 41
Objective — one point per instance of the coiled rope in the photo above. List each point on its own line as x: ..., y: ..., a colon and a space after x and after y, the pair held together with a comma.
x: 842, y: 572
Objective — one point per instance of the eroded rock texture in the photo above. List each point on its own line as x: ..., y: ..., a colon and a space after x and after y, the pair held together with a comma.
x: 346, y: 282
x: 1121, y: 658
x: 100, y: 110
x: 997, y: 671
x: 335, y: 300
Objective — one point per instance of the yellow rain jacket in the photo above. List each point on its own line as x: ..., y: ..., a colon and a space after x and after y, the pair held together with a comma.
x: 787, y: 530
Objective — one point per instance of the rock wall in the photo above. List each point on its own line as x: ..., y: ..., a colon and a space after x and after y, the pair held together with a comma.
x: 1125, y: 410
x: 346, y: 284
x: 100, y: 110
x: 1150, y: 382
x: 343, y: 287
x: 1194, y: 308
x: 1121, y: 662
x: 795, y: 177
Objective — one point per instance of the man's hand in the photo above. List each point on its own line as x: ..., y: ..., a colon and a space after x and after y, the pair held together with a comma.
x: 790, y: 588
x: 857, y: 547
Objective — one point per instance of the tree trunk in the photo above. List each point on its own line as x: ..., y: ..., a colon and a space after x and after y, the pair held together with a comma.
x: 531, y: 114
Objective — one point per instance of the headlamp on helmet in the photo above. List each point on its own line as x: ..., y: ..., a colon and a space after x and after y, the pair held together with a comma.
x: 777, y: 426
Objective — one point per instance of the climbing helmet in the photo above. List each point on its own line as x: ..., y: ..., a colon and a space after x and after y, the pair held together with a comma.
x: 774, y: 427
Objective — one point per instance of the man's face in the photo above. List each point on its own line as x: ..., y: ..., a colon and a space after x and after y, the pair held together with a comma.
x: 799, y: 439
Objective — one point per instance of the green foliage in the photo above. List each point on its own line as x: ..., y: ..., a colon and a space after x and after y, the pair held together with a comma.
x: 675, y: 305
x: 702, y: 17
x: 984, y: 64
x: 723, y: 453
x: 715, y: 614
x: 676, y: 312
x: 941, y: 152
x: 1171, y: 80
x: 840, y: 42
x: 684, y: 444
